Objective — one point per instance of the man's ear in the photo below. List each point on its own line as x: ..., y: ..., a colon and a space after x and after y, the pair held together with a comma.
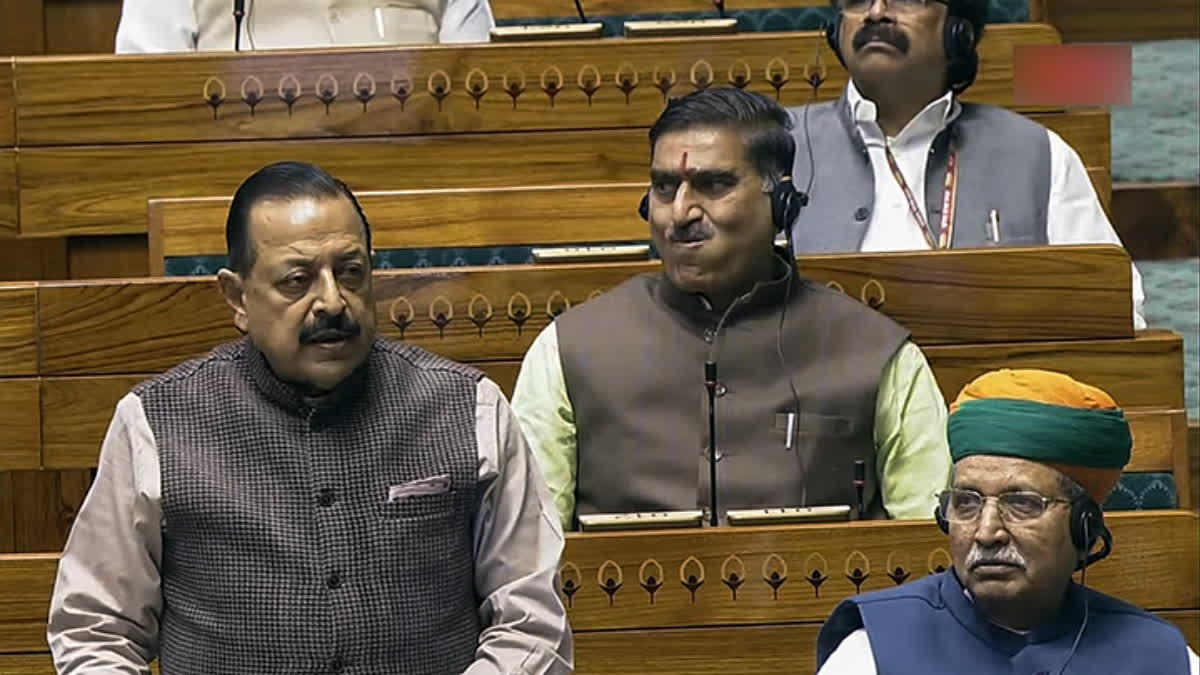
x: 234, y: 290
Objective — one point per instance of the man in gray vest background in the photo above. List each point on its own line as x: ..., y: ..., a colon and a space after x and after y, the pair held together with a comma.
x: 611, y: 395
x: 898, y: 163
x: 311, y: 498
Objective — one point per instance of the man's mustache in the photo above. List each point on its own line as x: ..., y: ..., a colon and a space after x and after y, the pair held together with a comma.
x: 330, y: 328
x: 884, y: 32
x: 1000, y: 555
x: 694, y: 231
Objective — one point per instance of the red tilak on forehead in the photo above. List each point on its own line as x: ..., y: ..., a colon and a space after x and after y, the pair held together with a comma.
x: 683, y: 164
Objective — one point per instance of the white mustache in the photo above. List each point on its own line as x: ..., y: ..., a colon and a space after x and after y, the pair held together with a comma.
x: 1008, y: 555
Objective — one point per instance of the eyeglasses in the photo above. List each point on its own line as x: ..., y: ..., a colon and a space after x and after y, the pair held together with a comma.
x: 864, y: 6
x: 964, y: 506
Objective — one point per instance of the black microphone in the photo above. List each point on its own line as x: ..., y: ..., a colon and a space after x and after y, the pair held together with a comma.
x: 579, y: 8
x: 860, y: 480
x: 239, y: 12
x: 720, y: 4
x: 710, y: 383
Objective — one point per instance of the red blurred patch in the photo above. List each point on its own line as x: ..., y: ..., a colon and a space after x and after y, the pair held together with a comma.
x: 1072, y: 75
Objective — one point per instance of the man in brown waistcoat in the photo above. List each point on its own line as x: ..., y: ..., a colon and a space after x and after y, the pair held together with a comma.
x: 311, y: 498
x: 612, y: 397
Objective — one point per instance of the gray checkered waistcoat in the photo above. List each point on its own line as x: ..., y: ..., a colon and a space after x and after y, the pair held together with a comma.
x: 281, y: 551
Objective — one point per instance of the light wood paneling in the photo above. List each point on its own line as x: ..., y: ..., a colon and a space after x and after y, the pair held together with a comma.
x: 18, y: 329
x: 76, y: 413
x: 20, y: 424
x: 1167, y: 579
x: 1155, y: 381
x: 62, y: 193
x: 134, y: 326
x: 779, y: 649
x: 450, y: 88
x: 459, y: 217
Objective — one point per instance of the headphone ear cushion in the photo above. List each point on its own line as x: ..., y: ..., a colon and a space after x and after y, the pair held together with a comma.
x: 962, y: 61
x: 1086, y: 523
x: 942, y: 523
x: 644, y: 207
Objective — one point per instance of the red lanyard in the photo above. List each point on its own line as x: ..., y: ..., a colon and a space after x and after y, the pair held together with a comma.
x: 946, y: 235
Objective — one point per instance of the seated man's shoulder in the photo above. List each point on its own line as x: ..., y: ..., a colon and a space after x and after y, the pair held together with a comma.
x: 220, y: 359
x: 847, y: 306
x: 615, y: 299
x: 998, y: 116
x: 1104, y: 605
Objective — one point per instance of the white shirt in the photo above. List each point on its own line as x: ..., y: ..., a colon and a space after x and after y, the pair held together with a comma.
x: 1073, y: 215
x: 854, y: 657
x: 154, y: 26
x: 107, y: 603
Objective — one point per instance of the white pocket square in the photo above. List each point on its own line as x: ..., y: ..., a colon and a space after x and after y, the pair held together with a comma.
x: 434, y: 485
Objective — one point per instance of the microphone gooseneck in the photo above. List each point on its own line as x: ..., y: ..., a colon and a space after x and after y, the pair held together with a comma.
x: 860, y: 480
x: 239, y: 13
x: 711, y: 383
x: 579, y: 8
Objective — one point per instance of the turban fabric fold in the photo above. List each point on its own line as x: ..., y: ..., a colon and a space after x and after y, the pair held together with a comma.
x: 1045, y: 417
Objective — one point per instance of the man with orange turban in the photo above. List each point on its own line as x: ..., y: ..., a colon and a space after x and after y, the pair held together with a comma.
x: 1035, y: 453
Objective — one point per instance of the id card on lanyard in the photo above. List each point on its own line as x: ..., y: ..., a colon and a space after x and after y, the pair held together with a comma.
x: 946, y: 233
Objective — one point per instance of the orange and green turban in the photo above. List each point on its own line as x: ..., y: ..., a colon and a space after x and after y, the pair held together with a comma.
x: 1044, y: 417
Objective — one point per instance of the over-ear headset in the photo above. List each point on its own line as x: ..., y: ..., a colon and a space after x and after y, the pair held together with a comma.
x: 1086, y: 523
x: 786, y: 202
x: 958, y: 39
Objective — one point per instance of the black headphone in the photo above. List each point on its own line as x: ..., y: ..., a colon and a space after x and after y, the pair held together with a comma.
x: 786, y: 202
x: 958, y: 39
x: 1087, y: 526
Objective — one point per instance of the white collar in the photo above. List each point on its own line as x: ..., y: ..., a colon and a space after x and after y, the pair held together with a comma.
x: 925, y: 125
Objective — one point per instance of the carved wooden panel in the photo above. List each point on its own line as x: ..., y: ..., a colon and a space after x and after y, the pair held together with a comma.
x: 499, y: 87
x: 18, y: 329
x: 799, y: 573
x: 472, y: 314
x: 61, y: 193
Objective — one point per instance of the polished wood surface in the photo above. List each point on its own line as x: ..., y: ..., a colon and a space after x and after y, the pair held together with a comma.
x: 1167, y: 579
x: 7, y: 544
x: 529, y: 9
x: 1158, y: 221
x: 133, y: 326
x: 75, y: 413
x: 9, y: 210
x: 20, y: 424
x: 21, y: 27
x: 108, y: 256
x: 33, y: 259
x: 1154, y: 565
x: 446, y: 88
x: 44, y: 506
x: 18, y: 329
x: 458, y: 217
x: 63, y: 194
x: 1145, y: 372
x: 1121, y: 21
x: 8, y: 124
x: 81, y: 26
